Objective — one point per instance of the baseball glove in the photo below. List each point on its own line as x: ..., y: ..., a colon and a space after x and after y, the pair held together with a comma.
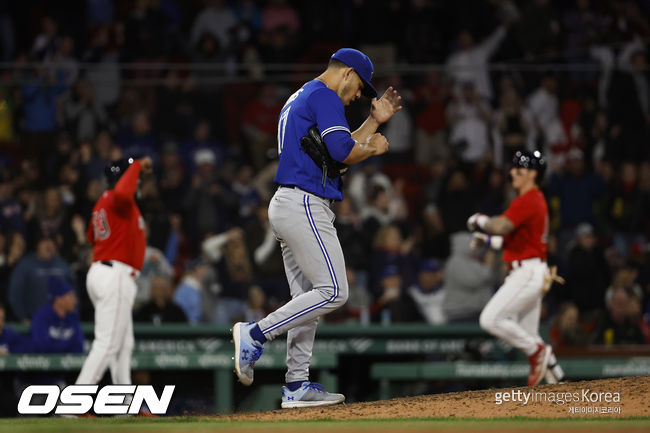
x: 550, y: 278
x: 313, y: 145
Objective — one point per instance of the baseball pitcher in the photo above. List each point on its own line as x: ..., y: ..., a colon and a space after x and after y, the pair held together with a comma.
x: 513, y: 313
x: 309, y: 171
x: 117, y: 235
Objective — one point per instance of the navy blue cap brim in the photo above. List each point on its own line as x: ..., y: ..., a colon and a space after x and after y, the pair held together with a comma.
x: 368, y: 90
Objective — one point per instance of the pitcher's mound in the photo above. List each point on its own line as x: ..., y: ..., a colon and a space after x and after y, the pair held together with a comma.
x: 620, y: 397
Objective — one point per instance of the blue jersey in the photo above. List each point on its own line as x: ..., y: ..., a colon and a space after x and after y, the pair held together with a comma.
x: 314, y: 104
x: 53, y: 334
x: 13, y: 342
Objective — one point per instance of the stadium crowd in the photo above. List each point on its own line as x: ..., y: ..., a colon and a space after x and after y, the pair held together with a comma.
x: 198, y: 85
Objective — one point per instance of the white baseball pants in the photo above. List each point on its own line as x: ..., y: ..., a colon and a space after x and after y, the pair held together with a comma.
x: 513, y: 313
x: 112, y: 291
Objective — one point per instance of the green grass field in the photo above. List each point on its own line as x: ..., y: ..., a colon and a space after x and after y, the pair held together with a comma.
x: 195, y: 424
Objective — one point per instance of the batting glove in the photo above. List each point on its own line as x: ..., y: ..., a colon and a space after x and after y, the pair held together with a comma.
x: 477, y: 222
x: 491, y: 241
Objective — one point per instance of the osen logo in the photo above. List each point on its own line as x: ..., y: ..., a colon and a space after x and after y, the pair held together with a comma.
x: 80, y: 399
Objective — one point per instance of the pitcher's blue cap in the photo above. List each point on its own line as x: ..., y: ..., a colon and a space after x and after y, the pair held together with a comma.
x: 361, y: 65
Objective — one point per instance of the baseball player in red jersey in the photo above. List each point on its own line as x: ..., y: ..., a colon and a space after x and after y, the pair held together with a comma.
x: 513, y: 313
x: 116, y: 233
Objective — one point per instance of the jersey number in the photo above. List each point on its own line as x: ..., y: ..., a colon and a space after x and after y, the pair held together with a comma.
x: 282, y: 123
x: 100, y: 225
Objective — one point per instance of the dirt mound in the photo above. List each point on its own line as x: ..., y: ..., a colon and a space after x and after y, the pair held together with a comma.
x: 621, y: 397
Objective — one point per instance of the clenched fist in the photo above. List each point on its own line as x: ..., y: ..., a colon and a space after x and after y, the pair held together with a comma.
x: 379, y: 143
x: 477, y: 222
x: 146, y: 165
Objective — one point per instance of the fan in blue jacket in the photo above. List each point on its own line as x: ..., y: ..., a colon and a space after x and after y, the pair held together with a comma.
x: 56, y: 327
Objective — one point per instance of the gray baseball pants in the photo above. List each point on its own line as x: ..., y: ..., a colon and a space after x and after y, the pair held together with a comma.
x: 315, y: 269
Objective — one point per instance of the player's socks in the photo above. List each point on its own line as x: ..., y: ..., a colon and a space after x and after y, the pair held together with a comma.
x: 257, y: 334
x: 294, y: 385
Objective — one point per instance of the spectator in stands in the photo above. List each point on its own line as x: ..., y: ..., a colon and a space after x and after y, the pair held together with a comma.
x: 40, y: 93
x: 433, y: 240
x: 543, y: 105
x: 249, y: 15
x: 458, y: 198
x: 577, y: 190
x: 246, y: 193
x: 626, y: 278
x: 583, y: 25
x: 430, y: 123
x: 566, y: 329
x: 278, y: 14
x: 144, y: 32
x: 350, y: 232
x: 216, y: 19
x: 13, y: 249
x: 175, y: 94
x: 512, y: 124
x: 266, y: 254
x: 617, y: 327
x: 469, y: 118
x: 55, y: 326
x: 260, y: 125
x: 379, y: 212
x: 10, y: 341
x: 229, y: 256
x: 209, y: 202
x: 161, y: 308
x: 82, y: 116
x: 64, y: 65
x: 11, y: 218
x: 138, y: 139
x: 46, y: 42
x: 470, y: 63
x: 172, y: 178
x: 361, y: 186
x: 636, y: 315
x: 359, y: 298
x: 190, y: 292
x: 399, y: 131
x: 493, y: 200
x: 427, y: 294
x: 155, y: 266
x: 202, y: 139
x: 391, y: 306
x: 629, y: 104
x: 256, y: 307
x: 470, y: 278
x: 103, y: 71
x: 52, y: 220
x: 94, y: 155
x: 624, y: 210
x: 538, y: 30
x: 28, y: 288
x: 588, y: 274
x: 389, y: 248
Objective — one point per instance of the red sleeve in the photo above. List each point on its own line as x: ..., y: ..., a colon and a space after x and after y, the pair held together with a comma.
x: 519, y: 211
x: 128, y: 183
